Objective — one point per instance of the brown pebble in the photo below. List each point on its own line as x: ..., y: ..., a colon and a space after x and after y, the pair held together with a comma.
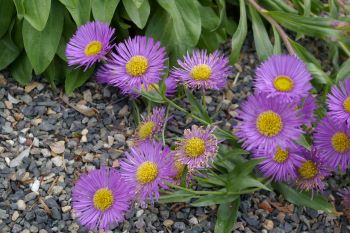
x: 268, y: 224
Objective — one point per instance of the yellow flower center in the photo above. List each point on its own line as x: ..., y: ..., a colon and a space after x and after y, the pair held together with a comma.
x: 283, y: 83
x: 146, y: 172
x: 137, y: 66
x: 93, y: 48
x: 103, y: 199
x: 347, y: 104
x: 201, y: 72
x: 180, y: 168
x: 281, y: 155
x: 308, y: 170
x: 194, y: 147
x: 340, y: 142
x: 146, y: 129
x: 269, y: 123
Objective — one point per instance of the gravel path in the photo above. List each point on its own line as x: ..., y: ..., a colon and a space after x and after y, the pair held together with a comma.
x: 46, y: 142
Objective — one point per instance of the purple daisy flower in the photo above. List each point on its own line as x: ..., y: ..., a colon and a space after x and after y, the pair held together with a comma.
x: 198, y: 147
x: 89, y: 44
x: 280, y: 164
x: 139, y: 62
x: 345, y: 194
x: 339, y: 103
x: 148, y: 167
x: 333, y: 140
x: 100, y: 198
x: 265, y: 123
x: 285, y: 77
x: 307, y: 110
x: 151, y: 125
x: 312, y: 171
x: 202, y: 71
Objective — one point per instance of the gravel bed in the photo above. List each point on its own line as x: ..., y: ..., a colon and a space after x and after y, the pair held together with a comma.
x: 46, y: 142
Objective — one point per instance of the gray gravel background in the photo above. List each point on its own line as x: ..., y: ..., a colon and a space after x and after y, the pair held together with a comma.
x: 62, y: 143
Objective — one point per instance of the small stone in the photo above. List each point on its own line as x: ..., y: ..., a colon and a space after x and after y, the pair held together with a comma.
x: 50, y: 112
x: 208, y: 99
x: 193, y: 221
x: 57, y: 160
x: 45, y: 152
x: 8, y: 104
x: 36, y: 142
x: 84, y: 132
x: 15, y: 215
x: 116, y: 163
x: 83, y: 139
x: 124, y: 111
x: 87, y: 96
x: 21, y: 205
x: 110, y: 140
x: 180, y: 226
x: 58, y: 147
x: 119, y: 138
x: 30, y: 196
x: 22, y: 139
x: 139, y: 213
x: 168, y: 223
x: 35, y: 186
x: 65, y: 209
x: 57, y: 189
x: 89, y: 157
x: 3, y: 81
x: 3, y: 214
x: 268, y: 224
x: 43, y: 231
x: 281, y: 216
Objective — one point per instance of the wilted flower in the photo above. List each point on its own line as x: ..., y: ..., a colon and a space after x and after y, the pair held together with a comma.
x: 89, y: 44
x: 345, y: 194
x: 312, y: 171
x: 333, y: 140
x: 283, y: 76
x: 100, y: 198
x: 202, y: 71
x: 265, y: 123
x: 151, y: 124
x: 148, y: 167
x: 339, y: 103
x: 139, y: 62
x: 198, y: 147
x: 280, y: 164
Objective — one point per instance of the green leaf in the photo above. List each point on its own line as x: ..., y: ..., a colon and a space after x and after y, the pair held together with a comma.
x: 227, y: 216
x: 16, y: 34
x: 21, y: 70
x: 37, y: 12
x: 277, y: 48
x: 55, y: 72
x: 178, y: 196
x: 261, y: 38
x: 76, y: 78
x: 317, y: 201
x: 6, y: 12
x: 79, y: 9
x: 344, y: 71
x: 138, y: 15
x: 103, y: 10
x: 153, y: 97
x: 214, y: 199
x: 138, y: 3
x: 41, y: 46
x: 240, y: 34
x: 303, y: 54
x: 208, y: 17
x: 222, y: 8
x: 19, y: 4
x: 210, y: 40
x: 318, y: 74
x: 8, y: 53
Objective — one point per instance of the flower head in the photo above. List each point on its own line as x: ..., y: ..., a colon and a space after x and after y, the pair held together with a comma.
x: 198, y: 147
x: 312, y: 171
x: 265, y: 123
x: 89, y: 44
x: 307, y: 110
x: 100, y: 198
x: 139, y: 62
x: 339, y: 103
x: 280, y: 164
x: 283, y: 76
x: 345, y: 194
x: 151, y: 124
x: 202, y: 71
x: 148, y: 167
x: 333, y: 140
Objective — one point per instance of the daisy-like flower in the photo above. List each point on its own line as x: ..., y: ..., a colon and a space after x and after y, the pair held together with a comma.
x: 339, y: 103
x: 345, y: 194
x: 265, y: 123
x: 283, y: 76
x: 312, y: 171
x: 198, y: 147
x: 203, y: 71
x: 101, y: 198
x: 151, y: 125
x: 280, y: 164
x: 148, y: 167
x: 333, y: 140
x: 307, y: 110
x: 89, y: 44
x: 139, y: 62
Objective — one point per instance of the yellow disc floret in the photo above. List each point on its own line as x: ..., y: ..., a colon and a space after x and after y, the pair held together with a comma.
x: 103, y: 199
x: 308, y: 170
x: 146, y: 172
x: 194, y: 147
x: 340, y: 142
x: 201, y: 72
x: 269, y: 123
x: 346, y: 104
x: 93, y: 48
x: 281, y: 155
x: 137, y: 66
x: 283, y: 83
x: 146, y: 129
